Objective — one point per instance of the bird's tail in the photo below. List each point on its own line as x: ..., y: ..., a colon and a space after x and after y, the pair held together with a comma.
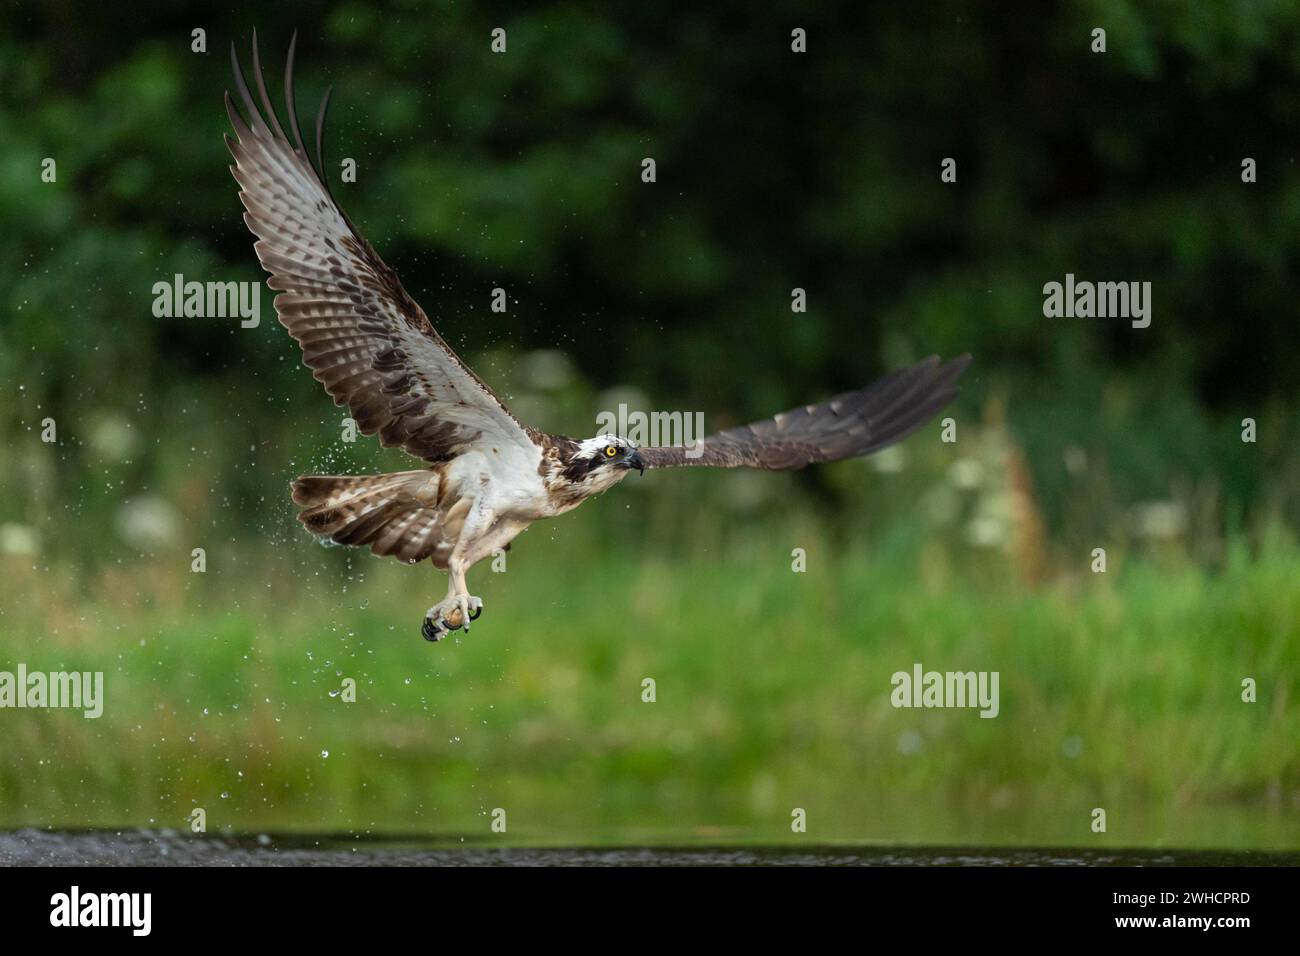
x: 395, y: 514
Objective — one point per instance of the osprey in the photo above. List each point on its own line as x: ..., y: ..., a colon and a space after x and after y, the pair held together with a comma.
x: 486, y: 476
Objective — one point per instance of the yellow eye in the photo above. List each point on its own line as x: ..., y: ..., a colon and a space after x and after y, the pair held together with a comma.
x: 610, y: 451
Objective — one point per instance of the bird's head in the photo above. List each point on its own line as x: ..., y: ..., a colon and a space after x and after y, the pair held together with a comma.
x: 601, y: 462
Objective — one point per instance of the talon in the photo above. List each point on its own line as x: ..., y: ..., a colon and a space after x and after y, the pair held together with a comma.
x: 453, y: 614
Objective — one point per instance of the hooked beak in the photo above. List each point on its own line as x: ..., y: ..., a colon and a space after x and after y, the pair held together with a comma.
x: 634, y: 461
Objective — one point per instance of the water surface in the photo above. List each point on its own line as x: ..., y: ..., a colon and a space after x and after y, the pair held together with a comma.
x: 170, y: 848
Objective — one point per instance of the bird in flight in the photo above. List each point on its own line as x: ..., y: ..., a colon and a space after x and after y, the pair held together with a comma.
x: 485, y: 475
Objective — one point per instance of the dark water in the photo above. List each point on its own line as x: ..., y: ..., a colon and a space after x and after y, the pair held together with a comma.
x: 169, y: 848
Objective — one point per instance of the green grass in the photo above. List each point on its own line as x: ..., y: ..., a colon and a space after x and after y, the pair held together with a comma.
x: 1119, y: 691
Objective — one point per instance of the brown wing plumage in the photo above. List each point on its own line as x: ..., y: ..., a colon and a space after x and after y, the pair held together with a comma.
x: 361, y: 334
x: 848, y: 425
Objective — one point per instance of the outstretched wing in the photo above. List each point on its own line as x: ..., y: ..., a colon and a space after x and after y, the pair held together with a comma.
x: 362, y: 336
x: 855, y: 423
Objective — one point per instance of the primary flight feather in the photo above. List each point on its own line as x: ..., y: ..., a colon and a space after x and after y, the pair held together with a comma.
x: 486, y: 476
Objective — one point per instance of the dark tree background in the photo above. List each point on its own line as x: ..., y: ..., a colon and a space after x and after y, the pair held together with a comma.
x: 775, y: 170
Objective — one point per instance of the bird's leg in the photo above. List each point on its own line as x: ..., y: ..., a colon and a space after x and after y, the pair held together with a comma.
x: 465, y: 606
x: 460, y: 607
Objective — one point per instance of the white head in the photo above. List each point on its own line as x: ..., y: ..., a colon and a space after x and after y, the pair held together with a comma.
x: 600, y: 463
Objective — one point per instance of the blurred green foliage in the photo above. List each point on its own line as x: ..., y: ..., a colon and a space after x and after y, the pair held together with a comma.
x: 224, y: 691
x: 775, y: 171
